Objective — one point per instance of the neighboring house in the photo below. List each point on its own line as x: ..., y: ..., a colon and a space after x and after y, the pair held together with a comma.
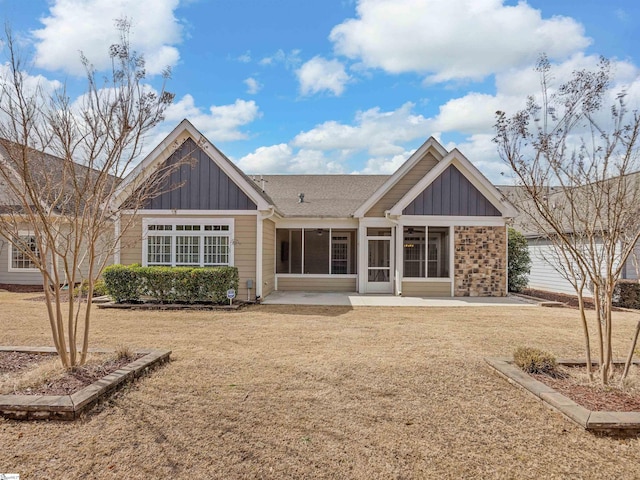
x: 436, y: 227
x: 51, y: 176
x: 546, y: 266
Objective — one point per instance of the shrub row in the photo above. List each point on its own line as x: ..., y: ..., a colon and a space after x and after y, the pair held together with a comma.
x: 627, y: 294
x: 130, y: 283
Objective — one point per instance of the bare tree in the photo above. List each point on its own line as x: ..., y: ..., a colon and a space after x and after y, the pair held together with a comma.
x: 576, y: 166
x: 60, y: 166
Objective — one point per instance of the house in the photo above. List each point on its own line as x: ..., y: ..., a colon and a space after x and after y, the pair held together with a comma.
x: 57, y: 193
x: 548, y: 269
x: 434, y: 228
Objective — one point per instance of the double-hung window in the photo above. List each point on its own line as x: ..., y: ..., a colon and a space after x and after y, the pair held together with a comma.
x: 23, y: 252
x: 188, y: 243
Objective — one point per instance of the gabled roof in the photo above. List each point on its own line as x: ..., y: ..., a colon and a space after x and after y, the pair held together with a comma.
x: 456, y: 158
x: 430, y: 145
x: 336, y: 196
x: 159, y: 154
x: 54, y: 178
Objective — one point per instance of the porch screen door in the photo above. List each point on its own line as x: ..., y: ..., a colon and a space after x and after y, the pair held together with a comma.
x: 379, y: 266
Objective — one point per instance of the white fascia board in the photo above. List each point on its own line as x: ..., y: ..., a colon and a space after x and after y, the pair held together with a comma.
x: 316, y: 223
x: 161, y: 153
x: 470, y: 172
x: 431, y: 143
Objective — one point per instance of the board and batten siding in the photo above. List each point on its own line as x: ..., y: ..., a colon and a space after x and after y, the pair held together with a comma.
x: 244, y: 239
x: 451, y: 194
x: 202, y: 185
x: 426, y: 289
x: 324, y: 284
x: 403, y: 185
x: 268, y: 257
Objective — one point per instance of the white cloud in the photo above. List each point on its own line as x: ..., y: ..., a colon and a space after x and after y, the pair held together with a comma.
x: 290, y: 60
x: 328, y: 147
x: 221, y: 123
x: 89, y: 25
x: 456, y: 39
x: 474, y: 113
x: 319, y: 74
x: 253, y: 86
x: 283, y: 159
x: 386, y: 165
x: 379, y: 133
x: 245, y: 57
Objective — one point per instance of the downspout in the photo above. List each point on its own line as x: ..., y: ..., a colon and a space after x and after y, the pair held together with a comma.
x: 397, y: 280
x: 259, y: 241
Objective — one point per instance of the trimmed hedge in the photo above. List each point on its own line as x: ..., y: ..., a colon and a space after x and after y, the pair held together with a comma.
x: 627, y: 294
x: 127, y: 284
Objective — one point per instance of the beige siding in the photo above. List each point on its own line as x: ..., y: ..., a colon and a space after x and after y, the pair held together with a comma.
x: 15, y: 278
x: 426, y: 289
x: 245, y: 231
x: 131, y: 240
x: 405, y: 184
x: 268, y: 257
x: 333, y: 284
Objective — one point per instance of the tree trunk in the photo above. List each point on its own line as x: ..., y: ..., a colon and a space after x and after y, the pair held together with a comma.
x: 627, y: 364
x: 585, y: 330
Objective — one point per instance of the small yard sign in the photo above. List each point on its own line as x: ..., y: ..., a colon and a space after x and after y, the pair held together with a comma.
x: 231, y: 294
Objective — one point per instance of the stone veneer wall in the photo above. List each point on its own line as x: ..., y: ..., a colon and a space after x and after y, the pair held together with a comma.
x: 480, y: 262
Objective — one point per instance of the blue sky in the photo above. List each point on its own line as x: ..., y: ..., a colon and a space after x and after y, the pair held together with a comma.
x: 337, y: 86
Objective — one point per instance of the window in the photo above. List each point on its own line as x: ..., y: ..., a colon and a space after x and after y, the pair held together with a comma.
x: 23, y: 251
x: 426, y: 252
x: 316, y: 251
x: 188, y: 244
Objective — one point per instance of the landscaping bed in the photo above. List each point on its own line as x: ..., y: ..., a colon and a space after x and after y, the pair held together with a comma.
x: 58, y: 394
x: 596, y: 409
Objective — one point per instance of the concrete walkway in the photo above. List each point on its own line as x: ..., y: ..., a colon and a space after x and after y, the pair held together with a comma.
x: 355, y: 299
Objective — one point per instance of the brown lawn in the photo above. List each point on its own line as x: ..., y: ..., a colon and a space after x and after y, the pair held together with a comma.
x: 318, y: 392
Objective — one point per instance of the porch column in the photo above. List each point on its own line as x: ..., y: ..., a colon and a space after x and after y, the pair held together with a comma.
x: 399, y: 263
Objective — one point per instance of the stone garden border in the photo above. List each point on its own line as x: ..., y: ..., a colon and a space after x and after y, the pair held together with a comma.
x: 70, y: 407
x: 601, y: 422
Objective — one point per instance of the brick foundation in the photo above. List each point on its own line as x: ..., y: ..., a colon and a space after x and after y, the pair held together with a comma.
x: 480, y: 262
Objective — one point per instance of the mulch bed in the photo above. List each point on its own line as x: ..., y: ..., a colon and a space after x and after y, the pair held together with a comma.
x: 72, y: 381
x: 593, y: 397
x: 17, y: 361
x: 20, y: 288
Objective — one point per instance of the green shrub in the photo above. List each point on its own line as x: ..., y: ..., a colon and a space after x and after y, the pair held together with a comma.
x: 533, y: 360
x: 99, y: 288
x: 122, y: 283
x: 519, y: 261
x: 171, y: 284
x: 627, y: 294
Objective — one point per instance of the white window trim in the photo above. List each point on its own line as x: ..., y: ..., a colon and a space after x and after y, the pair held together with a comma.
x: 230, y: 222
x: 11, y: 268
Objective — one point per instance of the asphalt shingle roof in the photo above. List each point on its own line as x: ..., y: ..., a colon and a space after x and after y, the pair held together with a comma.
x: 336, y: 196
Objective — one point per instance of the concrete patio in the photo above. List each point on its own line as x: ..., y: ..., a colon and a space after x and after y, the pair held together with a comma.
x: 356, y: 299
